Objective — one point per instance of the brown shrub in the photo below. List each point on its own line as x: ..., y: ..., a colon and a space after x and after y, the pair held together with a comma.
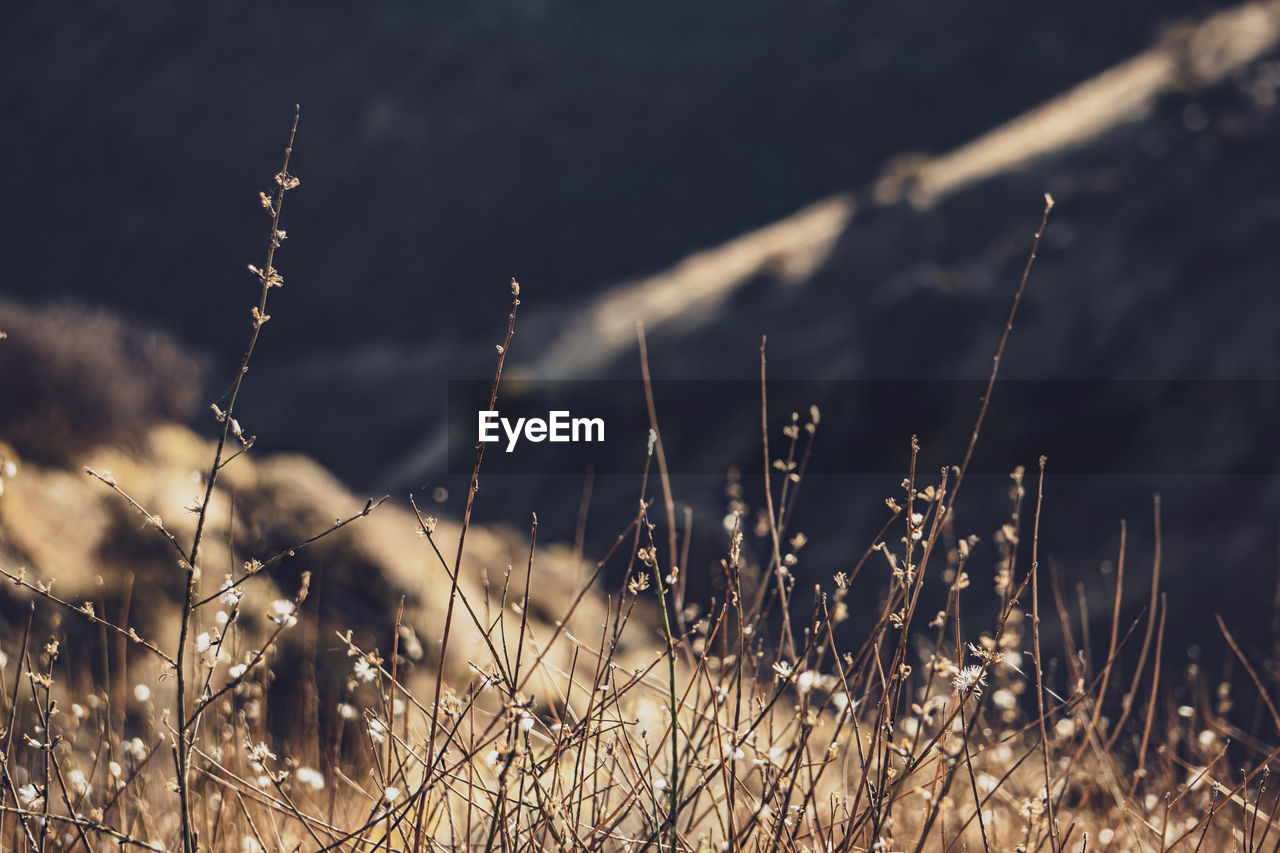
x: 74, y: 377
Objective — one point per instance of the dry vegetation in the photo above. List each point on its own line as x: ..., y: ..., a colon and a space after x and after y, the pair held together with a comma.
x: 745, y: 726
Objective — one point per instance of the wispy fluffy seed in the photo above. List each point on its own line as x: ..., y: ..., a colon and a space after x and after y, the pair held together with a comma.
x: 282, y: 612
x: 141, y: 692
x: 79, y: 782
x: 310, y: 777
x: 30, y: 796
x: 410, y: 643
x: 805, y: 681
x: 230, y: 596
x: 969, y: 679
x: 377, y: 730
x: 135, y: 749
x: 347, y: 711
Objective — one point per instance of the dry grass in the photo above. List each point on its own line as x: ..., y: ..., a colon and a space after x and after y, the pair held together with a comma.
x: 751, y: 726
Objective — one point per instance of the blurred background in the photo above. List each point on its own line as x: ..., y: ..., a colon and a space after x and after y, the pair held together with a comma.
x: 859, y: 182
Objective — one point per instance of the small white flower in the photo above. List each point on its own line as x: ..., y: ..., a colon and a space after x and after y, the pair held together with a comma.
x: 970, y: 679
x: 783, y: 669
x: 141, y: 692
x: 347, y: 711
x: 258, y: 753
x: 363, y: 671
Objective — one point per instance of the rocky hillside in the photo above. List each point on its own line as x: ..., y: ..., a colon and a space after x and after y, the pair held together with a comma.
x: 74, y: 535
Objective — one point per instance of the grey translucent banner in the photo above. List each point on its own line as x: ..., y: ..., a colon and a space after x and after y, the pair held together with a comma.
x: 865, y: 427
